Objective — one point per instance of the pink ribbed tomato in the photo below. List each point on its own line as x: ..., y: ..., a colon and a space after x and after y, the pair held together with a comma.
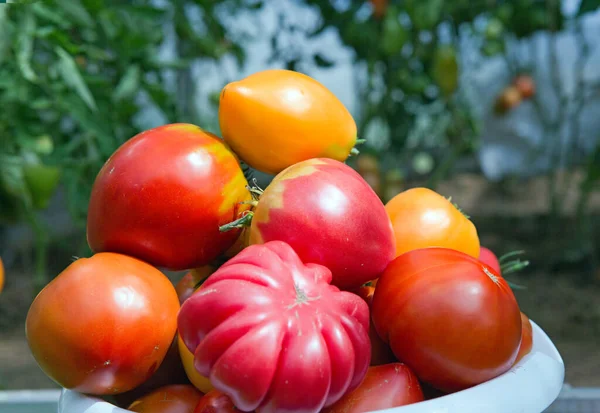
x: 330, y: 215
x: 274, y: 335
x: 488, y: 257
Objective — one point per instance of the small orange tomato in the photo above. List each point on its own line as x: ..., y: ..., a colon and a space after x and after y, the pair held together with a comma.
x: 525, y: 85
x: 273, y: 119
x: 177, y: 398
x: 379, y: 8
x: 1, y: 275
x: 526, y: 338
x: 423, y: 218
x: 187, y: 358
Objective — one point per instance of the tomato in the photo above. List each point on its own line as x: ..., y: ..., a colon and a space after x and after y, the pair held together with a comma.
x: 275, y: 118
x: 331, y: 216
x: 380, y: 351
x: 215, y: 402
x: 526, y: 338
x: 448, y: 316
x: 1, y: 275
x: 379, y: 7
x: 178, y: 398
x: 509, y: 99
x: 276, y: 325
x: 489, y: 258
x: 186, y: 285
x: 423, y: 218
x: 187, y: 358
x: 525, y: 85
x: 445, y: 69
x: 104, y: 324
x: 394, y: 35
x: 384, y: 387
x: 162, y: 196
x: 42, y: 181
x: 171, y: 371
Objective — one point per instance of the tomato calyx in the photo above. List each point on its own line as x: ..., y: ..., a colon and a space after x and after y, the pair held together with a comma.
x: 354, y: 151
x: 458, y: 208
x: 246, y: 219
x: 301, y: 297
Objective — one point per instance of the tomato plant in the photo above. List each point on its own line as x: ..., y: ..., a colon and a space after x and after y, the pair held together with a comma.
x: 448, y: 316
x: 380, y: 351
x: 276, y: 325
x: 162, y: 196
x: 384, y: 387
x: 275, y: 118
x: 178, y: 398
x: 490, y: 259
x: 423, y: 218
x: 216, y: 402
x: 96, y: 328
x: 526, y: 338
x: 330, y: 216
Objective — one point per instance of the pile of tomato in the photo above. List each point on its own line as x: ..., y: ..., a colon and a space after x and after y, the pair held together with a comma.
x: 308, y: 295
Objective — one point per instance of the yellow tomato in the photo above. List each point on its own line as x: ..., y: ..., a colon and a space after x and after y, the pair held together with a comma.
x: 423, y: 218
x: 187, y: 358
x: 276, y: 118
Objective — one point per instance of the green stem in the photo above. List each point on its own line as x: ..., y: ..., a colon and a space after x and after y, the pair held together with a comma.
x: 242, y: 222
x: 354, y: 152
x: 360, y: 141
x: 508, y: 255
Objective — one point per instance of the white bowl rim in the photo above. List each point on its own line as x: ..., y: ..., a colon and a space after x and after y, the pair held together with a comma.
x: 529, y: 387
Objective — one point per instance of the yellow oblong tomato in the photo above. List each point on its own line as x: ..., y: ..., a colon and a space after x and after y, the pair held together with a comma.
x: 275, y: 118
x: 187, y: 358
x: 422, y: 218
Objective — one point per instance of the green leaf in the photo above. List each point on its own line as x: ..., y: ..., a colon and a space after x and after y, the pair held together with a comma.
x: 322, y: 61
x: 46, y: 13
x: 5, y: 37
x: 12, y: 179
x: 129, y: 84
x: 77, y: 12
x: 72, y: 77
x: 24, y: 46
x: 587, y: 6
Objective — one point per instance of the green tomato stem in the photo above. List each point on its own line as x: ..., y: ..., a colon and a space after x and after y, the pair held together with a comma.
x: 241, y: 222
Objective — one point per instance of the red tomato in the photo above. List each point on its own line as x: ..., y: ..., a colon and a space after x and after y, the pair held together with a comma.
x: 448, y: 316
x: 162, y: 196
x: 489, y: 258
x: 186, y: 285
x: 527, y: 338
x: 525, y: 85
x: 179, y: 398
x: 384, y: 387
x: 103, y: 325
x: 330, y: 216
x: 215, y: 402
x: 381, y: 353
x: 276, y: 325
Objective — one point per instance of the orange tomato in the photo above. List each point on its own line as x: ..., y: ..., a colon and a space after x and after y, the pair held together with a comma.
x: 422, y: 218
x: 187, y: 358
x: 104, y: 324
x: 273, y: 119
x: 1, y: 275
x: 379, y: 7
x: 177, y: 398
x: 526, y: 338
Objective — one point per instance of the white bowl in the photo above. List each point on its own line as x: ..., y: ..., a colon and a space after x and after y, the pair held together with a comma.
x: 529, y: 387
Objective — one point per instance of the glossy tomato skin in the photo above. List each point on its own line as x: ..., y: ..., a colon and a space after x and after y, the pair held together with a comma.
x: 187, y: 359
x: 216, y: 402
x: 178, y: 398
x: 162, y: 196
x: 423, y: 218
x: 526, y: 338
x: 98, y: 327
x: 489, y: 258
x: 277, y: 326
x: 384, y: 387
x: 448, y: 316
x: 381, y: 353
x: 275, y: 118
x: 330, y: 216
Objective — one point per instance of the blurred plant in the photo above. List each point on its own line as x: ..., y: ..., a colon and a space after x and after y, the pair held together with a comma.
x: 75, y: 76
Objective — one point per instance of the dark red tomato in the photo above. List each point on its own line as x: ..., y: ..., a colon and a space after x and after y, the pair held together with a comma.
x: 162, y: 196
x: 179, y: 398
x: 274, y: 335
x: 384, y: 387
x: 186, y: 285
x: 104, y: 324
x: 381, y: 353
x: 527, y: 338
x: 448, y: 316
x: 489, y: 258
x: 216, y: 402
x: 331, y: 216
